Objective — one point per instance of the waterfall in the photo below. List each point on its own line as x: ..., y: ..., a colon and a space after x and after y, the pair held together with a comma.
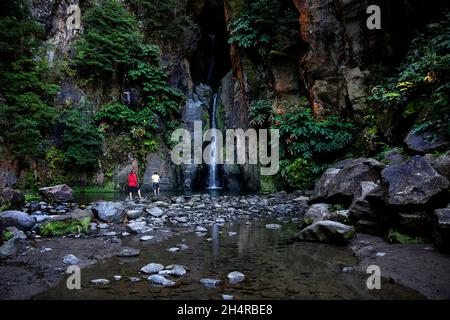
x: 213, y: 172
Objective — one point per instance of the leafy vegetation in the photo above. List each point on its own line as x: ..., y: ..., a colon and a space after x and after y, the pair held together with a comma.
x: 26, y: 111
x: 307, y: 144
x: 62, y: 227
x: 82, y: 141
x: 265, y: 25
x: 421, y: 85
x: 163, y: 20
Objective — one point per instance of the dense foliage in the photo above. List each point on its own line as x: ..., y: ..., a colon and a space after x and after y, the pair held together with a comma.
x: 26, y: 111
x: 82, y: 141
x: 421, y: 85
x: 265, y: 25
x: 163, y: 20
x: 307, y: 144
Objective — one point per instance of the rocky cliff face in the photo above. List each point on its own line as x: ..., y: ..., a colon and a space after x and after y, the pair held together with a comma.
x: 331, y: 65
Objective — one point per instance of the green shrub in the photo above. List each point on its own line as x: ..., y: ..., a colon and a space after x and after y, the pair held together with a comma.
x: 265, y: 25
x: 59, y: 227
x: 300, y: 174
x: 421, y: 84
x: 26, y: 111
x: 304, y: 136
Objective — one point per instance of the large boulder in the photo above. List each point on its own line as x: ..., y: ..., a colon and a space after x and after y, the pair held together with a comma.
x: 316, y: 212
x: 327, y: 231
x: 14, y: 199
x: 109, y: 211
x: 18, y: 219
x: 413, y: 183
x: 441, y: 232
x: 425, y: 141
x: 59, y: 193
x: 442, y: 165
x: 340, y: 185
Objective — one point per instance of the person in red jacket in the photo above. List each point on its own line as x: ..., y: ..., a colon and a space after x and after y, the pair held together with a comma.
x: 133, y: 184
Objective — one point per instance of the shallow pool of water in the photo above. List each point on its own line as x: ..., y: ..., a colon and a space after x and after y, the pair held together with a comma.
x: 274, y: 266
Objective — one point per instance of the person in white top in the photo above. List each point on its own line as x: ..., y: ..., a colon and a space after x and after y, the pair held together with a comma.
x: 155, y: 182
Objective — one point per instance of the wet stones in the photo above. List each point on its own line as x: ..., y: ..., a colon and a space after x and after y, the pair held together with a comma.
x: 211, y: 283
x: 70, y: 259
x: 18, y: 219
x: 109, y: 211
x: 152, y: 268
x: 160, y: 280
x: 327, y: 231
x: 235, y: 277
x: 273, y: 226
x: 129, y: 252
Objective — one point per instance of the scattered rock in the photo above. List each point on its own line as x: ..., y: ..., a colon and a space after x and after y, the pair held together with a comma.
x: 235, y: 277
x: 182, y: 246
x: 232, y: 233
x: 316, y: 212
x: 273, y: 226
x: 100, y: 281
x: 138, y: 227
x: 109, y: 211
x: 147, y: 238
x: 13, y: 198
x: 152, y: 268
x: 210, y: 283
x: 17, y: 219
x: 70, y: 259
x: 421, y: 142
x: 173, y: 249
x: 59, y: 193
x: 177, y: 271
x: 134, y: 279
x: 327, y: 231
x: 160, y: 280
x: 129, y: 252
x: 155, y: 212
x: 117, y: 277
x: 414, y: 182
x: 134, y: 214
x: 227, y: 297
x: 201, y: 229
x: 9, y: 249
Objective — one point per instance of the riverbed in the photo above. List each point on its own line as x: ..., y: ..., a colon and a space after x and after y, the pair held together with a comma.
x: 274, y: 267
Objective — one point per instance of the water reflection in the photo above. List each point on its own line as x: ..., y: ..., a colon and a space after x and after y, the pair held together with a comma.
x: 274, y: 266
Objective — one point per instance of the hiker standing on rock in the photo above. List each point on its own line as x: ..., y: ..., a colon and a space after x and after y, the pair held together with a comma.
x: 133, y: 184
x: 155, y: 180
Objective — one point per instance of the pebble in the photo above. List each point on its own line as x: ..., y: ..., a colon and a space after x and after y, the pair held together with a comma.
x: 235, y: 277
x: 100, y: 281
x: 134, y: 279
x: 201, y: 229
x: 146, y: 238
x: 273, y: 226
x: 227, y: 297
x: 103, y: 226
x: 347, y: 269
x: 210, y: 283
x: 381, y: 254
x: 173, y: 249
x: 160, y: 280
x: 117, y: 277
x: 129, y: 252
x: 70, y: 259
x: 152, y: 268
x: 232, y: 233
x: 46, y: 250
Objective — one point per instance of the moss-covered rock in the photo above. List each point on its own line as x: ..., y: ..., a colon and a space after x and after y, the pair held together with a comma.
x: 395, y: 236
x: 75, y: 222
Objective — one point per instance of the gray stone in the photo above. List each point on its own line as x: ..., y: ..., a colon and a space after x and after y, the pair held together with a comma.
x: 273, y: 226
x: 442, y: 165
x: 201, y: 229
x: 235, y: 277
x: 70, y: 259
x: 173, y: 249
x: 17, y: 219
x: 109, y: 211
x: 147, y: 238
x: 182, y: 246
x: 232, y: 233
x: 117, y: 277
x: 129, y: 252
x: 59, y: 193
x: 138, y: 227
x: 227, y: 297
x: 152, y: 268
x: 414, y: 182
x: 426, y: 141
x: 317, y: 212
x: 210, y: 283
x: 100, y: 281
x: 327, y: 231
x: 17, y: 234
x: 160, y: 280
x: 134, y: 214
x: 134, y: 279
x: 393, y: 156
x: 9, y: 249
x: 341, y: 186
x: 177, y: 271
x: 155, y: 212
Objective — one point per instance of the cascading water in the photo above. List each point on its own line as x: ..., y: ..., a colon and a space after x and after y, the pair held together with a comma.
x: 213, y: 172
